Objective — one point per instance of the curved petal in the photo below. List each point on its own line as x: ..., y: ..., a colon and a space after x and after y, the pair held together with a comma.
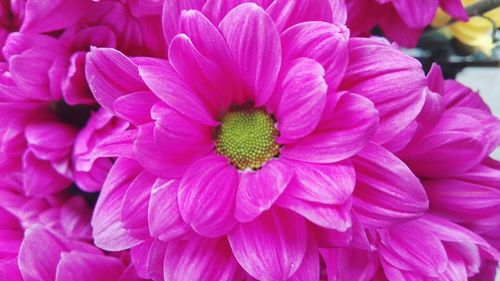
x: 107, y: 228
x: 40, y: 178
x: 386, y: 191
x: 310, y: 267
x: 322, y: 183
x: 255, y: 45
x: 286, y: 13
x: 396, y: 30
x: 207, y: 194
x: 110, y: 75
x: 303, y: 97
x: 258, y: 190
x: 199, y: 259
x: 163, y: 201
x: 458, y: 95
x: 272, y: 246
x: 345, y: 133
x: 393, y: 81
x: 135, y: 107
x: 216, y: 10
x: 171, y: 13
x: 318, y: 41
x: 82, y: 266
x: 162, y: 79
x: 134, y: 208
x: 416, y: 13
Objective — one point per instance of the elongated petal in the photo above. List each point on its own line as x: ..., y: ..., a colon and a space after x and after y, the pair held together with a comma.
x: 82, y: 266
x: 255, y: 44
x: 171, y: 13
x: 393, y: 81
x: 309, y: 268
x: 40, y: 177
x: 134, y: 210
x: 106, y: 70
x: 206, y: 196
x: 108, y: 231
x: 344, y: 134
x: 322, y: 183
x: 272, y: 246
x: 287, y: 13
x: 416, y: 13
x: 162, y: 79
x: 318, y: 41
x: 458, y: 95
x: 303, y: 97
x: 135, y: 107
x: 163, y: 201
x: 258, y: 190
x: 199, y: 259
x: 216, y: 10
x: 386, y: 191
x: 455, y: 8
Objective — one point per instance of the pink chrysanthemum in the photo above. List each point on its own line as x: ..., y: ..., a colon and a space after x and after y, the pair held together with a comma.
x: 250, y: 138
x: 401, y: 21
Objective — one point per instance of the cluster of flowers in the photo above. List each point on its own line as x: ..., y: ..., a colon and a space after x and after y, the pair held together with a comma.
x: 238, y: 140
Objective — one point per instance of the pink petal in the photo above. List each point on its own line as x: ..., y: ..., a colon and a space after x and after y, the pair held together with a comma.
x: 310, y: 267
x: 386, y: 191
x: 74, y: 86
x: 171, y: 13
x: 326, y: 215
x: 255, y: 45
x: 396, y: 30
x: 416, y: 13
x: 135, y: 107
x: 162, y: 79
x: 393, y: 81
x: 163, y: 201
x: 435, y: 79
x: 199, y: 259
x: 272, y: 246
x: 134, y: 209
x: 290, y: 12
x: 458, y: 95
x: 110, y: 75
x: 317, y: 41
x: 82, y: 266
x: 41, y: 16
x: 108, y: 231
x: 216, y: 10
x: 454, y: 8
x: 322, y: 183
x: 206, y: 196
x: 50, y: 141
x: 258, y: 190
x: 153, y: 157
x: 40, y: 177
x: 412, y: 248
x: 345, y: 133
x: 350, y: 264
x: 75, y: 218
x: 303, y: 97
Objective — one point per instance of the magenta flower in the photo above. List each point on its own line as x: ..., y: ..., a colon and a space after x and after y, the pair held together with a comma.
x: 402, y: 21
x: 250, y: 139
x: 428, y: 248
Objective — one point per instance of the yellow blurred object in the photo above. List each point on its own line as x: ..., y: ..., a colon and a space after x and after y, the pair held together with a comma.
x: 477, y: 32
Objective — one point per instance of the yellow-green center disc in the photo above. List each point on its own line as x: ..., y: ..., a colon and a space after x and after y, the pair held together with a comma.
x: 247, y: 138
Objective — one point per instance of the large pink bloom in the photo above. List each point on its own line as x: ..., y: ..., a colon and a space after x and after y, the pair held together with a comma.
x: 402, y: 21
x: 185, y: 172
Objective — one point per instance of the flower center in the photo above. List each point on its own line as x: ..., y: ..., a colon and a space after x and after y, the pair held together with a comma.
x: 247, y: 138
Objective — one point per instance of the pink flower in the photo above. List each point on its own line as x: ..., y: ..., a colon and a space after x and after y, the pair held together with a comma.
x: 402, y: 21
x: 251, y: 136
x: 428, y: 248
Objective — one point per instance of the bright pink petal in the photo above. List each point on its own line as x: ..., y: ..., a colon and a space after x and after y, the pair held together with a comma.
x: 272, y: 246
x: 386, y: 191
x: 454, y: 8
x: 344, y: 134
x: 258, y: 190
x: 412, y: 248
x: 171, y: 13
x: 134, y: 209
x: 82, y: 266
x: 303, y: 97
x: 396, y: 30
x: 207, y: 194
x: 106, y: 72
x: 216, y: 10
x: 310, y: 267
x: 322, y: 183
x: 318, y: 41
x: 163, y: 201
x: 135, y: 107
x: 162, y: 79
x: 50, y: 141
x: 108, y: 231
x: 41, y: 16
x: 75, y: 218
x: 290, y: 12
x: 350, y: 264
x: 199, y: 259
x: 458, y: 95
x: 255, y: 45
x: 393, y: 81
x: 40, y: 177
x: 416, y: 13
